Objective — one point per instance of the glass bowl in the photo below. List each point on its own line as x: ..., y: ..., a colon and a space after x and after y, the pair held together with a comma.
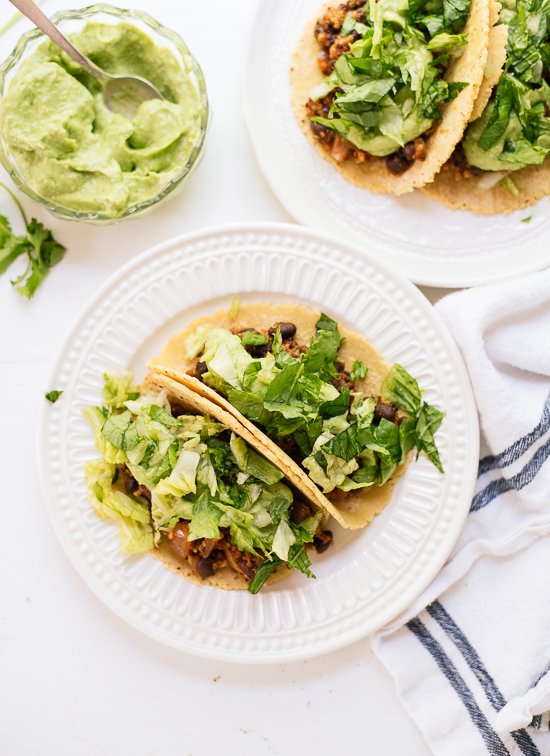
x: 73, y: 21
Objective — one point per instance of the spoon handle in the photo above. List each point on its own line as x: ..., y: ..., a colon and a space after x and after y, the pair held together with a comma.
x: 33, y: 12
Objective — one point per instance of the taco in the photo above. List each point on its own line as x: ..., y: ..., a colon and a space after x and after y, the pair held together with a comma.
x: 320, y: 397
x: 502, y: 162
x: 385, y: 89
x: 190, y: 487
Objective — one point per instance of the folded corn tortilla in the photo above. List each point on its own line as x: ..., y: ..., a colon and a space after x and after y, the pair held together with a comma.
x: 374, y: 176
x: 226, y: 577
x: 532, y: 182
x: 360, y: 506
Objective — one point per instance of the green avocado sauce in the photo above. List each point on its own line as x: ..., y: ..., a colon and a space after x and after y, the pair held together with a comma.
x: 489, y: 160
x: 72, y: 149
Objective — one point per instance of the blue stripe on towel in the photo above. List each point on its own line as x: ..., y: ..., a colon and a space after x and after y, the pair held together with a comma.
x: 523, y: 478
x: 494, y: 744
x: 497, y: 700
x: 516, y: 450
x: 544, y: 672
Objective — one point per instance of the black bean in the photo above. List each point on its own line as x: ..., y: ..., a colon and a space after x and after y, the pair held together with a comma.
x: 200, y: 369
x: 318, y: 130
x: 257, y: 351
x: 205, y: 567
x: 299, y: 512
x: 321, y: 545
x: 287, y: 330
x: 386, y: 411
x: 176, y: 409
x: 408, y: 150
x: 131, y: 485
x: 397, y: 164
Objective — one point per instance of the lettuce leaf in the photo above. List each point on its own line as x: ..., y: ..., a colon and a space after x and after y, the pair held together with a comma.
x: 119, y: 388
x: 387, y: 436
x: 135, y: 536
x: 429, y: 420
x: 283, y: 539
x: 262, y: 573
x: 181, y: 480
x: 345, y: 445
x: 407, y: 437
x: 402, y: 389
x: 358, y: 371
x: 226, y: 358
x: 299, y: 560
x: 205, y: 518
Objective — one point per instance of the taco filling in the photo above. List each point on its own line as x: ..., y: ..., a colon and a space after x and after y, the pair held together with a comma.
x: 513, y: 131
x: 306, y: 401
x: 187, y: 479
x: 385, y: 63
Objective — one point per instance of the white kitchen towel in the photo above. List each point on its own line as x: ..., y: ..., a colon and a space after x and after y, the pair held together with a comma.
x: 471, y: 657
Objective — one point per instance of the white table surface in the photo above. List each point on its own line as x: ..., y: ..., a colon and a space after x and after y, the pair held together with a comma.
x: 74, y: 678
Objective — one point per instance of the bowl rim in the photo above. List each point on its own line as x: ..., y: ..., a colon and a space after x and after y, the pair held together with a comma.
x: 188, y: 63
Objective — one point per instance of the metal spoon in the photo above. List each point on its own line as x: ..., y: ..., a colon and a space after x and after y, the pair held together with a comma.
x: 121, y: 94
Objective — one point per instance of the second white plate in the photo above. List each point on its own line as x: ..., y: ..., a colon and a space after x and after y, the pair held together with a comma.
x: 370, y: 575
x: 420, y: 238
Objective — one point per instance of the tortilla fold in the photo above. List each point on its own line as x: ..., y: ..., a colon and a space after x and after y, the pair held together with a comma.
x: 225, y: 577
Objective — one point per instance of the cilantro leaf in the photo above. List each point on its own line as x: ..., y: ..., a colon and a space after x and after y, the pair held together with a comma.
x: 53, y: 396
x: 42, y: 249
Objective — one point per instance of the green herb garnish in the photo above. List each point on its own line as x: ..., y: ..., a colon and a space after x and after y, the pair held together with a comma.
x: 53, y: 396
x: 42, y: 250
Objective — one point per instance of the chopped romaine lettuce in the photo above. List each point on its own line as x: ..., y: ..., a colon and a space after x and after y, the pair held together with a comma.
x: 402, y: 389
x: 429, y: 420
x: 189, y: 472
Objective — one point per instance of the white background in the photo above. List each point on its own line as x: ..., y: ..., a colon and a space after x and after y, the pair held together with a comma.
x: 74, y: 679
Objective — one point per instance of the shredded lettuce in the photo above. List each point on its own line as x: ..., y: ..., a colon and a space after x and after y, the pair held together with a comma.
x: 514, y: 129
x: 390, y: 86
x: 191, y: 472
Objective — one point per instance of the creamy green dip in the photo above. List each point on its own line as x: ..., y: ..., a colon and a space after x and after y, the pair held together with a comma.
x: 489, y: 160
x: 76, y: 152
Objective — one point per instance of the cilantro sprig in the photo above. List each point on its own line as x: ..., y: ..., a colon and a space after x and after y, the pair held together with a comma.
x: 38, y: 243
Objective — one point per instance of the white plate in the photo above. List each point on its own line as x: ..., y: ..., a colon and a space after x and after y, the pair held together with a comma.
x: 420, y: 238
x: 369, y: 576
